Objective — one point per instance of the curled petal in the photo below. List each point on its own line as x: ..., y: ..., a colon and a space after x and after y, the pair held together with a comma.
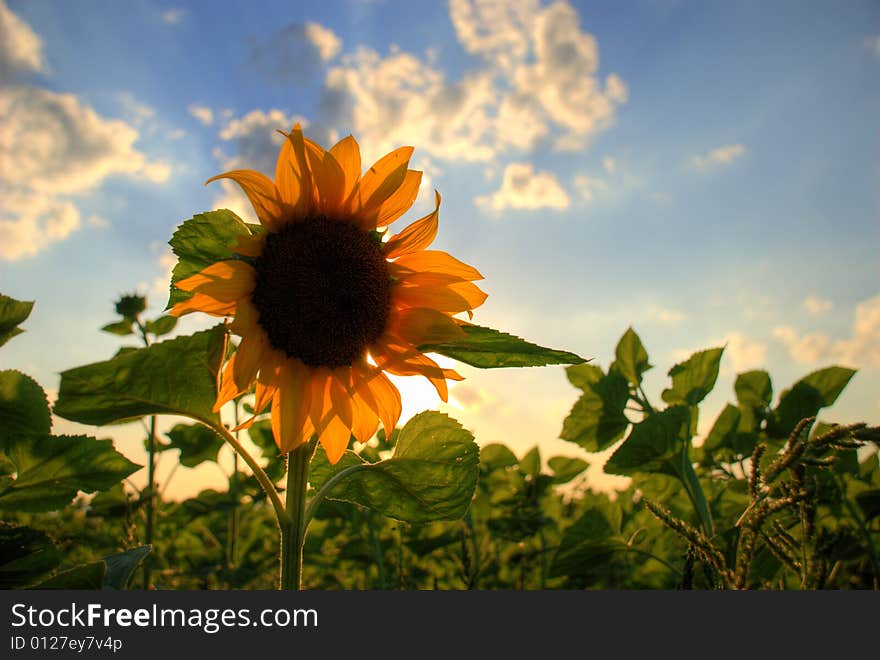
x: 262, y: 194
x: 454, y: 298
x: 436, y: 261
x: 418, y: 236
x: 249, y: 245
x: 397, y: 203
x: 379, y: 394
x: 202, y: 303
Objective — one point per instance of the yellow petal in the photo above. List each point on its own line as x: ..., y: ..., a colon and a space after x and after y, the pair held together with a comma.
x: 365, y: 421
x: 381, y: 180
x: 334, y: 438
x: 328, y: 179
x: 321, y: 405
x: 305, y: 205
x: 263, y: 196
x: 380, y: 395
x: 397, y: 203
x: 290, y: 406
x: 418, y: 236
x: 223, y: 281
x: 454, y: 298
x: 437, y: 261
x: 202, y: 303
x: 423, y: 325
x: 348, y: 155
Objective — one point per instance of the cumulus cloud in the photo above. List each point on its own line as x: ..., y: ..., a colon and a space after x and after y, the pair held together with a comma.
x: 667, y: 316
x: 29, y: 222
x: 537, y: 82
x: 21, y: 50
x: 720, y: 156
x: 255, y: 139
x: 524, y: 188
x: 817, y: 305
x: 860, y: 349
x: 202, y: 113
x: 744, y: 353
x: 295, y: 53
x: 52, y: 145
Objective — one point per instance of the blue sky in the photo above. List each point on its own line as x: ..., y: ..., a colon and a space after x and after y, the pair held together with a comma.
x: 704, y: 171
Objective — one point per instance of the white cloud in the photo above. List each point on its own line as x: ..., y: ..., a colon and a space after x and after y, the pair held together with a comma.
x: 537, y: 84
x: 203, y: 113
x: 400, y: 99
x: 817, y: 305
x: 324, y: 39
x: 588, y: 187
x: 21, y: 50
x: 744, y: 353
x: 295, y: 53
x: 53, y: 145
x: 609, y: 164
x: 860, y: 349
x: 523, y: 188
x: 256, y: 140
x: 136, y: 111
x: 97, y: 221
x: 495, y: 29
x: 720, y: 156
x: 29, y: 222
x: 173, y: 16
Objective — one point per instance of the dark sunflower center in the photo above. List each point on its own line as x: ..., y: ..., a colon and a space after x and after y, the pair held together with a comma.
x: 323, y: 291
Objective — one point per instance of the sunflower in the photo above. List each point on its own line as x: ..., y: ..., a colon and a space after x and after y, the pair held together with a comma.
x: 326, y: 301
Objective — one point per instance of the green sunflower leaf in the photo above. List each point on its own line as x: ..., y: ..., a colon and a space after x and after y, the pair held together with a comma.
x: 201, y: 241
x: 12, y: 313
x: 51, y: 470
x: 121, y: 566
x: 85, y: 576
x: 486, y: 348
x: 597, y: 419
x: 196, y: 442
x: 161, y: 326
x: 430, y: 477
x: 806, y: 398
x: 25, y: 555
x: 694, y: 378
x: 24, y: 409
x: 121, y: 328
x: 566, y: 468
x: 632, y: 358
x: 654, y: 446
x: 176, y: 376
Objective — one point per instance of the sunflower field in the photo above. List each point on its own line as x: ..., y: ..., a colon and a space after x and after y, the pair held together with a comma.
x: 315, y: 307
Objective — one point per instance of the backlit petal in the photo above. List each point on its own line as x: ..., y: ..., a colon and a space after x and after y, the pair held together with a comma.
x: 418, y: 236
x: 424, y: 325
x: 262, y: 194
x: 381, y: 180
x: 224, y: 281
x: 437, y: 261
x: 290, y: 406
x: 348, y: 155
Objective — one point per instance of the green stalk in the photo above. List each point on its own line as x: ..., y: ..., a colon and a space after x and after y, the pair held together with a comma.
x: 151, y: 477
x: 695, y: 492
x: 293, y: 525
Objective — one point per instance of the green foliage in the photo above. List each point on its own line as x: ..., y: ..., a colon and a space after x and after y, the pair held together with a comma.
x: 201, y: 241
x: 807, y: 397
x: 50, y: 470
x: 431, y: 475
x: 121, y: 567
x: 87, y: 576
x: 24, y: 409
x: 25, y: 556
x: 694, y: 378
x: 161, y: 326
x: 176, y: 376
x: 597, y: 419
x: 121, y: 328
x: 197, y: 443
x: 566, y: 468
x: 486, y: 348
x: 655, y: 445
x: 632, y: 358
x: 12, y: 314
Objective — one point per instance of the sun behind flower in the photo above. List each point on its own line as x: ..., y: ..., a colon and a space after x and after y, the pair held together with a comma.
x: 323, y: 304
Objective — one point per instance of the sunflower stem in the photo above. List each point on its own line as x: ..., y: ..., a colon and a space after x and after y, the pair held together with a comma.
x: 293, y: 527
